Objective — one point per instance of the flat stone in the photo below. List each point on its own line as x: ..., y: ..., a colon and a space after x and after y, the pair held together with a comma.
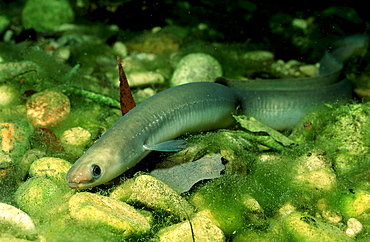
x: 155, y: 194
x: 97, y: 210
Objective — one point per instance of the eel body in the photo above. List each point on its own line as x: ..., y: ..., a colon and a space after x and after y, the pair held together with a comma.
x: 202, y: 106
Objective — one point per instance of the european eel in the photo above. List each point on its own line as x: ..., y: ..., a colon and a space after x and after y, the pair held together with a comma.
x: 201, y: 106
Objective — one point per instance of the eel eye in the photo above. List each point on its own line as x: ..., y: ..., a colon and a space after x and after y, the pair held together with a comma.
x: 95, y: 171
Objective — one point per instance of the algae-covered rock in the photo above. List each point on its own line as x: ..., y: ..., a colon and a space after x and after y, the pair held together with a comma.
x: 196, y: 67
x: 37, y: 194
x: 75, y: 139
x: 47, y: 108
x: 313, y: 172
x: 47, y: 14
x: 16, y: 222
x: 319, y: 180
x: 14, y: 137
x: 10, y: 70
x: 356, y: 204
x: 274, y: 232
x: 228, y: 217
x: 27, y: 159
x: 147, y: 78
x: 251, y: 235
x: 199, y: 228
x: 346, y: 136
x: 218, y: 201
x: 7, y: 95
x: 50, y: 167
x: 153, y: 193
x: 302, y: 227
x: 13, y: 144
x: 253, y: 212
x: 123, y: 191
x: 96, y: 210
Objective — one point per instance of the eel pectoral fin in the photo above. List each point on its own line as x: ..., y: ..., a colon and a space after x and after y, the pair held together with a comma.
x: 168, y: 146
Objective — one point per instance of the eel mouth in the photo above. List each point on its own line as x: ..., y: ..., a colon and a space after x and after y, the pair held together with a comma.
x: 79, y: 185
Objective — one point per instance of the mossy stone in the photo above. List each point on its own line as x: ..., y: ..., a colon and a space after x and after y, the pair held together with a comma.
x: 36, y: 194
x: 196, y: 67
x: 45, y: 15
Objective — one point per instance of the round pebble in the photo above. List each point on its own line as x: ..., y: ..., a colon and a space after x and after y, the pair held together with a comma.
x: 36, y: 194
x: 76, y: 136
x: 7, y: 95
x: 47, y: 108
x: 120, y: 49
x: 196, y: 67
x: 354, y: 227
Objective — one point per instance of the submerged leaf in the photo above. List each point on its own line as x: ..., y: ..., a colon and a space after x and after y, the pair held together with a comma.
x: 183, y: 177
x: 264, y: 134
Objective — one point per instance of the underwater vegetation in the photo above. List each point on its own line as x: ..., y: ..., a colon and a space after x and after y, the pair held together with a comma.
x: 59, y: 93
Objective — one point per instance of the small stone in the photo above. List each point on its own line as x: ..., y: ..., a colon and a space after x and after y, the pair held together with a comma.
x: 120, y: 49
x: 314, y: 172
x: 253, y: 211
x: 319, y: 180
x: 300, y: 23
x: 62, y: 53
x: 309, y: 70
x: 46, y: 15
x: 26, y: 161
x: 313, y: 161
x: 302, y: 227
x: 286, y: 210
x: 196, y: 67
x: 9, y: 70
x: 199, y: 228
x: 143, y: 94
x: 7, y: 137
x: 259, y: 56
x: 7, y: 95
x: 123, y: 191
x: 75, y: 140
x: 153, y: 193
x: 50, y: 167
x: 332, y: 216
x: 147, y: 78
x: 16, y: 222
x: 47, y: 108
x: 6, y: 161
x: 354, y: 227
x: 14, y: 137
x: 97, y: 210
x: 157, y: 43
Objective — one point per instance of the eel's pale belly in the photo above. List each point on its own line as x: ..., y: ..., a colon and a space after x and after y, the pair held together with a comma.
x: 206, y: 106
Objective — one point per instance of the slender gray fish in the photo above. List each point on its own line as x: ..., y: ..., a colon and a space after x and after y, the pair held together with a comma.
x: 157, y: 121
